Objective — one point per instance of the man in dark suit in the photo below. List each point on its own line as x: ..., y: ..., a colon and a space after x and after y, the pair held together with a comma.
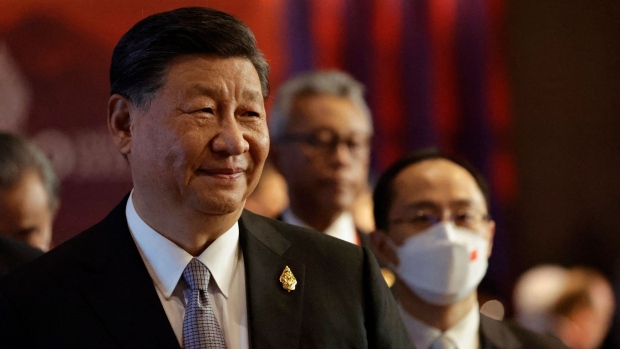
x: 178, y: 263
x: 29, y: 192
x: 321, y: 129
x: 14, y: 253
x: 435, y: 231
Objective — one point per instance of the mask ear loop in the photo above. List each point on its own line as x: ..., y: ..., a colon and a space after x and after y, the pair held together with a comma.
x: 392, y: 245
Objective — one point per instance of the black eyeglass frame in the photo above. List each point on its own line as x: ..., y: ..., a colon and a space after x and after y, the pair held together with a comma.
x: 327, y: 140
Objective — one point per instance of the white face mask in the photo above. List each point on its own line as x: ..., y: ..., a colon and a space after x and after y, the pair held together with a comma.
x: 444, y: 263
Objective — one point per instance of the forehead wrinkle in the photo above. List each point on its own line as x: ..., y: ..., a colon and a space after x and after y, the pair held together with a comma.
x: 202, y: 89
x: 252, y: 95
x: 221, y: 90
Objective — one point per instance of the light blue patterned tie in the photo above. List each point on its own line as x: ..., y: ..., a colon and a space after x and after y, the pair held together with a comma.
x: 200, y: 327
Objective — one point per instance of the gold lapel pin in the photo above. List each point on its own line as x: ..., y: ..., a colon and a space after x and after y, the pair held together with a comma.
x: 288, y: 279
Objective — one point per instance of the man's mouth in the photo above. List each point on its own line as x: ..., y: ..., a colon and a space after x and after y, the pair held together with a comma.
x: 222, y: 172
x: 336, y: 183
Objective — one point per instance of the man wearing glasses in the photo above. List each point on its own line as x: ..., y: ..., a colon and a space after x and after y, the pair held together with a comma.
x: 431, y: 212
x: 320, y: 131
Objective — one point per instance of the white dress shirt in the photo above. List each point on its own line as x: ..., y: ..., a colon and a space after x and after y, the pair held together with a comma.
x: 165, y: 262
x: 342, y: 228
x: 465, y: 334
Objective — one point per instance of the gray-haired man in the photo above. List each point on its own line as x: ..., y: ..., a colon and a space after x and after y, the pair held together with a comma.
x: 321, y: 129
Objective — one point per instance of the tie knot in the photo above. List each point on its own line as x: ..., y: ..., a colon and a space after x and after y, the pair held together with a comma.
x: 443, y: 342
x: 197, y: 275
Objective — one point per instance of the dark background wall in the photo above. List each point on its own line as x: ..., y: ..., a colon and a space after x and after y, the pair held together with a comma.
x: 564, y: 69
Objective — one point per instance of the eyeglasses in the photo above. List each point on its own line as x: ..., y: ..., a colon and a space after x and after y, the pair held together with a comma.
x: 424, y: 219
x: 326, y: 141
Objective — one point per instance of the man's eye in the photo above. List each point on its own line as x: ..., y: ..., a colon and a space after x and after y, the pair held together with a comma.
x: 207, y: 110
x: 251, y: 114
x: 357, y: 143
x: 464, y: 217
x: 319, y: 140
x: 422, y: 218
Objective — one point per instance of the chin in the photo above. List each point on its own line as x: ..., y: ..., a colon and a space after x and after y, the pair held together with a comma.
x: 215, y: 205
x: 334, y: 206
x: 342, y: 202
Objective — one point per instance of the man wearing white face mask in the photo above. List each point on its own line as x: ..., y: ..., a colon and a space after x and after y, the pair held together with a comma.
x: 435, y: 231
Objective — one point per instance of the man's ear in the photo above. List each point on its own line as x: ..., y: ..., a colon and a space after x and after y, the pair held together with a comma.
x: 383, y: 249
x: 491, y: 236
x: 119, y: 122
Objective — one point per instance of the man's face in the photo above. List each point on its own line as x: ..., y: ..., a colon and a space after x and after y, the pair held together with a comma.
x: 436, y: 188
x: 26, y: 213
x: 326, y: 164
x: 202, y: 140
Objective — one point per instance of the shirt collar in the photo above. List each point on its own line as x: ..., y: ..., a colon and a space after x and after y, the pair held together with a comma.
x: 465, y: 332
x: 165, y: 261
x: 343, y: 227
x: 221, y: 258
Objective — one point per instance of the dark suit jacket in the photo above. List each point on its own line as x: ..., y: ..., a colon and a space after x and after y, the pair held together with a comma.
x: 505, y: 335
x: 364, y: 238
x: 14, y: 253
x: 95, y: 292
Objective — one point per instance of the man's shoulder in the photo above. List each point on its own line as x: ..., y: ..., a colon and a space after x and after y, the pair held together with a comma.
x: 507, y: 334
x: 300, y: 240
x: 86, y: 248
x: 326, y: 260
x: 332, y: 274
x: 14, y: 253
x: 49, y: 267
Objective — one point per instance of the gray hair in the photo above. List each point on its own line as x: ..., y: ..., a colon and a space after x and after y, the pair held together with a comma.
x: 17, y: 156
x: 329, y: 82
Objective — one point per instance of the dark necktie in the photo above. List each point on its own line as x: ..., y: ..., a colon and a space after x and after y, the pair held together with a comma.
x: 200, y: 327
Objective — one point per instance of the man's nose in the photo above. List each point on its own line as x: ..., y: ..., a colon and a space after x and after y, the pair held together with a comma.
x: 230, y: 138
x: 448, y: 230
x: 341, y: 154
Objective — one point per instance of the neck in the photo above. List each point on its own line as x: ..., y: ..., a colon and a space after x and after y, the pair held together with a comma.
x: 315, y: 216
x: 442, y: 317
x: 189, y: 229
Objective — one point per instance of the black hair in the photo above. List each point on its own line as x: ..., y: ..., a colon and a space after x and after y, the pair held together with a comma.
x: 142, y: 56
x: 384, y: 192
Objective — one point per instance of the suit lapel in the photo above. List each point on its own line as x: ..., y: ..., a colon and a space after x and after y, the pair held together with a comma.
x: 120, y: 290
x: 495, y: 335
x: 274, y: 315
